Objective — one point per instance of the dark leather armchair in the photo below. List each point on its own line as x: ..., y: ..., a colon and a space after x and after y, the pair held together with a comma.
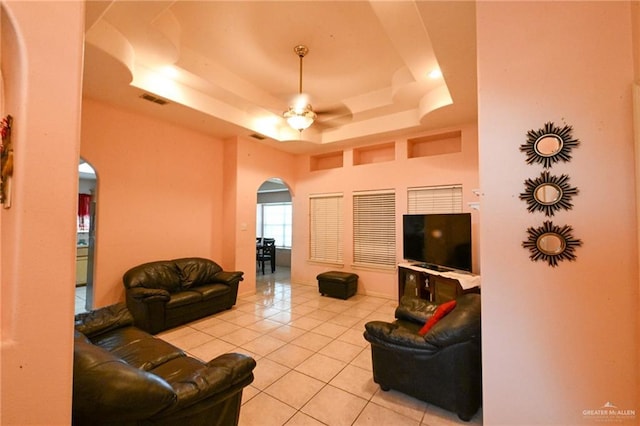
x: 443, y: 367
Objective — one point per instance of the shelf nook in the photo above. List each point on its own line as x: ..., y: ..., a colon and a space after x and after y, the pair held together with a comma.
x: 332, y: 160
x: 374, y: 154
x: 427, y: 146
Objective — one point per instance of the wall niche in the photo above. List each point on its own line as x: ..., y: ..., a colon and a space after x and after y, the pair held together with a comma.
x: 374, y: 154
x: 332, y: 160
x: 442, y: 143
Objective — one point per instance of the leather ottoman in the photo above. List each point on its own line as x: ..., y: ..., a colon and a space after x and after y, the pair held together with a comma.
x: 338, y: 284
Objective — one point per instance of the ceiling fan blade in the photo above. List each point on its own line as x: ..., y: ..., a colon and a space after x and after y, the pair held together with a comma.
x: 339, y: 110
x: 327, y: 122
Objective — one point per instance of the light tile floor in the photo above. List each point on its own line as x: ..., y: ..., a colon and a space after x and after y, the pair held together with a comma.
x: 81, y: 299
x: 313, y: 364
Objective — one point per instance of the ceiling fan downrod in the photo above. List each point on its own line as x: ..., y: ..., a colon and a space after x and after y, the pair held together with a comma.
x: 301, y: 50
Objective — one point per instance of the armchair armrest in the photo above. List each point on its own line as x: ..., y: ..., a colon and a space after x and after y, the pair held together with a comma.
x: 147, y: 295
x: 103, y: 319
x: 392, y: 334
x: 461, y: 324
x: 415, y: 309
x: 228, y: 277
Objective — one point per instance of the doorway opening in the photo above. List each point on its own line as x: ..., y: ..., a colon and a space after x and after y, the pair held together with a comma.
x: 274, y: 223
x: 85, y: 236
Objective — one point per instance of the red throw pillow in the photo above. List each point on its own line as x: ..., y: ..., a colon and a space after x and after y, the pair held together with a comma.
x: 440, y: 312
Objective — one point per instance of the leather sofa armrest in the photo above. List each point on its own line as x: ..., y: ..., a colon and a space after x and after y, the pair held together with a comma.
x: 392, y: 334
x: 228, y: 277
x: 103, y: 319
x: 220, y: 375
x: 149, y: 295
x: 236, y: 366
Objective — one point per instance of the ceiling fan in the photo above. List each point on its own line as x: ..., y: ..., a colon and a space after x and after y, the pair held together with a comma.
x: 300, y: 115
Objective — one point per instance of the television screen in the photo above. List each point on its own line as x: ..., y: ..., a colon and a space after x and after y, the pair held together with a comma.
x: 438, y: 240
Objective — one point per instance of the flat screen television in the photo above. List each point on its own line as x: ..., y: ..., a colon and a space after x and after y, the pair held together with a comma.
x: 438, y: 241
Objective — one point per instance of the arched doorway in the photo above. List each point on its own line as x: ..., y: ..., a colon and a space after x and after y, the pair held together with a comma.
x: 85, y: 236
x: 274, y: 219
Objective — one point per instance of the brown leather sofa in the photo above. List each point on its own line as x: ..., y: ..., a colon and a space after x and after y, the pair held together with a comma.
x: 168, y: 293
x: 124, y: 376
x: 441, y: 367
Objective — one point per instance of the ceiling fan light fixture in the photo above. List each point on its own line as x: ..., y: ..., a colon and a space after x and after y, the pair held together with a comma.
x: 300, y: 119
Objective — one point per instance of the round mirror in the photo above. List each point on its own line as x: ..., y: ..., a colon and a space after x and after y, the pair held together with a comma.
x: 547, y: 194
x: 548, y: 145
x: 550, y: 243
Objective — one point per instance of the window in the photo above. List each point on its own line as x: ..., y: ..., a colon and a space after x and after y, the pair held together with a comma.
x: 374, y: 228
x: 435, y: 199
x: 274, y: 221
x: 325, y: 228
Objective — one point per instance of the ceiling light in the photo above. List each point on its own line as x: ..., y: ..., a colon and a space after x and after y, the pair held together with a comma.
x: 300, y: 117
x: 435, y: 74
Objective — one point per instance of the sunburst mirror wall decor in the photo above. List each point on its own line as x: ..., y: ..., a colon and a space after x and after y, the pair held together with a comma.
x: 551, y: 243
x: 548, y: 193
x: 549, y: 145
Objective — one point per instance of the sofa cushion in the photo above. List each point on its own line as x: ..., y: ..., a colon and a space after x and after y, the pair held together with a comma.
x: 137, y: 348
x: 440, y: 312
x: 183, y: 298
x: 107, y: 388
x: 147, y: 354
x: 160, y: 274
x: 118, y: 338
x: 211, y: 291
x: 195, y: 271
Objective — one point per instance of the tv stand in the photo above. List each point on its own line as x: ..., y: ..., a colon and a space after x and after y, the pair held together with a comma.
x: 425, y: 282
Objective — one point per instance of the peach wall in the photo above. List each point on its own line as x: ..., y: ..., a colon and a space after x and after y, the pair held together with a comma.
x: 399, y: 173
x: 38, y: 232
x: 159, y: 193
x: 557, y: 341
x: 248, y: 165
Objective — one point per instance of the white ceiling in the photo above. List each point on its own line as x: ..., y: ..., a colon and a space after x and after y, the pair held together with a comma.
x: 228, y: 68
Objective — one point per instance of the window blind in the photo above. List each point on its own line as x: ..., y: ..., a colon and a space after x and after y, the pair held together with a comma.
x: 374, y: 228
x: 325, y: 228
x: 435, y: 199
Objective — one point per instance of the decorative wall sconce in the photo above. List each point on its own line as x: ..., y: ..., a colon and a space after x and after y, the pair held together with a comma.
x: 549, y: 145
x: 548, y: 193
x: 551, y: 243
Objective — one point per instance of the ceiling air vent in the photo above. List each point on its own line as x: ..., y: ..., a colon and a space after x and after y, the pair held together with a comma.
x: 151, y: 98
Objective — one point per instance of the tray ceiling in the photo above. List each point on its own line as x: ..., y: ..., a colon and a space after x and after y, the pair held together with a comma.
x: 227, y: 68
